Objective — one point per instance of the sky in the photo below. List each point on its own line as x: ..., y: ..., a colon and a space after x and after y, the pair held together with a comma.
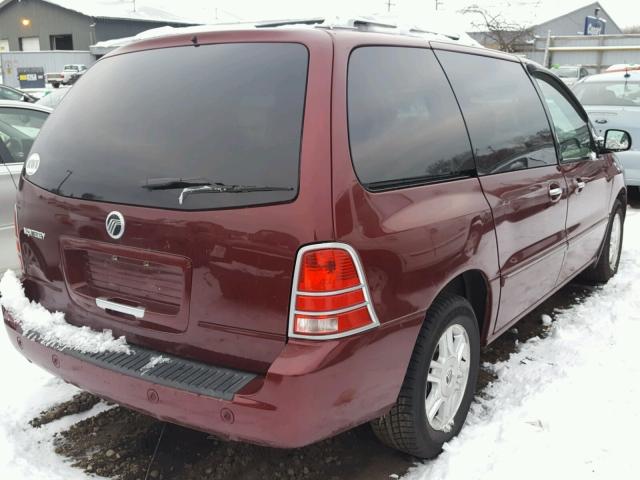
x: 528, y: 12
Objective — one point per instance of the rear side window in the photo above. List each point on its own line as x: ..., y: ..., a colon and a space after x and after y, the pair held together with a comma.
x: 507, y: 123
x: 405, y: 127
x: 141, y: 127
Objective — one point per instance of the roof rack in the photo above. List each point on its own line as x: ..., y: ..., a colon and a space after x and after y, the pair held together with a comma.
x: 363, y: 23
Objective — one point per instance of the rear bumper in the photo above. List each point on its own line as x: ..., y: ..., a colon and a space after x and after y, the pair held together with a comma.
x: 312, y: 391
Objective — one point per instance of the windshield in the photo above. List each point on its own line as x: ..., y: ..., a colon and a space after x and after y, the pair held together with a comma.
x: 566, y: 72
x: 228, y: 113
x: 623, y: 93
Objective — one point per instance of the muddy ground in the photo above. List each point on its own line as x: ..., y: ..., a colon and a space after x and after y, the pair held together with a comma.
x: 120, y: 443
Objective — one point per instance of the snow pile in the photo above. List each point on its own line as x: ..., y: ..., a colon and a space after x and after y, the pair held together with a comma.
x: 154, y: 362
x: 51, y: 328
x: 565, y: 406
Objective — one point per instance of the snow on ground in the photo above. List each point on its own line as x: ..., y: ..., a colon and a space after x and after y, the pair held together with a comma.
x: 567, y: 406
x: 51, y: 328
x: 562, y: 407
x: 26, y: 452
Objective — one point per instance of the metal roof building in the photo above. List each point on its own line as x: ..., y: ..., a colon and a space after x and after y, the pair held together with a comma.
x: 570, y: 23
x: 35, y: 25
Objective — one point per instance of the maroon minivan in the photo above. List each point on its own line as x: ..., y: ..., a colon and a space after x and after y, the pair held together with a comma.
x: 315, y: 228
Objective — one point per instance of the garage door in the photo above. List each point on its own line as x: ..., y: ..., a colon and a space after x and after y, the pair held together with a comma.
x: 30, y: 44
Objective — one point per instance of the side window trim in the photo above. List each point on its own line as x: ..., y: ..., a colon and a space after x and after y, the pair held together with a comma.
x: 545, y: 77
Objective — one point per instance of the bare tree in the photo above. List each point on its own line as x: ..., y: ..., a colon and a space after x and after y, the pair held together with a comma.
x: 501, y: 33
x: 632, y: 29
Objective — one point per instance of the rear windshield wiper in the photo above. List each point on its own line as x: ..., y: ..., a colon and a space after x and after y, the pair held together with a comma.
x: 191, y: 186
x: 222, y: 188
x: 171, y: 183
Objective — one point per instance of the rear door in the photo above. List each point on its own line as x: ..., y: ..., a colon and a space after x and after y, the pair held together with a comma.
x: 586, y: 174
x: 174, y: 205
x: 519, y: 174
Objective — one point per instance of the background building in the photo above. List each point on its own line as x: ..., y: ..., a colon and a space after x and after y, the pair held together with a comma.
x: 36, y: 25
x: 570, y: 23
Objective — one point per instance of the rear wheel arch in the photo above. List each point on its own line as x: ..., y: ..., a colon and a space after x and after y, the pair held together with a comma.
x: 474, y: 286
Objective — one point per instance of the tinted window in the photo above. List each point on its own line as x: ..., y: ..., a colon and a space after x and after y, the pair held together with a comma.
x: 404, y: 124
x: 226, y: 113
x: 507, y: 124
x: 18, y: 129
x: 572, y: 131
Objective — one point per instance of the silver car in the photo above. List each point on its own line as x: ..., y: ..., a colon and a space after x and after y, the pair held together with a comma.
x: 612, y: 101
x: 20, y: 123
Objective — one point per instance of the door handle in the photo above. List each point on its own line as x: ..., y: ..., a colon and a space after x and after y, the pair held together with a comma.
x: 601, y: 121
x: 580, y: 185
x: 106, y: 304
x: 555, y: 193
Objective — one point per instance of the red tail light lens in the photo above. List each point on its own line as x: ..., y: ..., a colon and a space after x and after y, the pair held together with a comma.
x: 330, y: 297
x: 327, y: 270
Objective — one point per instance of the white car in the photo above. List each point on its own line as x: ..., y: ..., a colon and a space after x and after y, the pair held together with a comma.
x: 70, y: 73
x: 20, y: 123
x: 570, y: 74
x: 612, y: 101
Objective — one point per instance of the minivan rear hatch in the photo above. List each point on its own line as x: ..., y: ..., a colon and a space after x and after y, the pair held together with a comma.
x: 171, y: 190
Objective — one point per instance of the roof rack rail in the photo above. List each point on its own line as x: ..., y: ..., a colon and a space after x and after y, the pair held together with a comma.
x: 362, y: 23
x: 284, y: 23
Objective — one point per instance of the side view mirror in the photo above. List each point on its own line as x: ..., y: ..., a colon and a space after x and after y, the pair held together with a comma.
x: 616, y: 141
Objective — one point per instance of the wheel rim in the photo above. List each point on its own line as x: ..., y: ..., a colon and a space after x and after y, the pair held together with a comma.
x: 615, y: 238
x: 447, y: 378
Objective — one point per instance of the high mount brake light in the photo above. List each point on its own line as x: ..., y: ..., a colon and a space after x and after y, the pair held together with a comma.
x: 330, y: 297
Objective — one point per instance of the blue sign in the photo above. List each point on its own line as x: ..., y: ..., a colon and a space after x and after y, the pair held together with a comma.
x: 594, y: 26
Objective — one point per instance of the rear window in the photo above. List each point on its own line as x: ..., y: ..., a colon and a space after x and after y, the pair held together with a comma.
x: 620, y: 94
x: 141, y: 127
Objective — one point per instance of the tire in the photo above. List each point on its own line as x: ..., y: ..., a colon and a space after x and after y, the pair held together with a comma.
x: 608, y: 261
x: 406, y: 427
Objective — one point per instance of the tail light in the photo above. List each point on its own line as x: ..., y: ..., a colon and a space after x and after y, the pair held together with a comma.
x: 17, y: 233
x: 330, y: 297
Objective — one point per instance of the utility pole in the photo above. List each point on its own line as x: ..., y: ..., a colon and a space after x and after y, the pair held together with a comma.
x: 389, y: 5
x: 134, y: 5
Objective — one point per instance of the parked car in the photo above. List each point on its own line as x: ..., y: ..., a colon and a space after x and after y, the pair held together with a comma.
x: 10, y: 93
x: 326, y: 238
x: 53, y: 99
x: 20, y: 123
x: 570, y: 74
x: 612, y: 100
x: 623, y: 67
x: 68, y: 76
